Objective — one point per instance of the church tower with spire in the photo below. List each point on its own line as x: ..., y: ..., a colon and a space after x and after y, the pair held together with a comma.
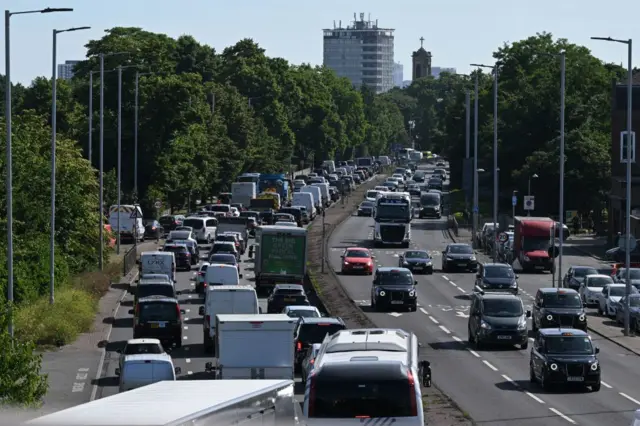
x: 421, y: 60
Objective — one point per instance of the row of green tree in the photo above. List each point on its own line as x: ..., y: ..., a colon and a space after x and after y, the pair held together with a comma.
x: 528, y: 122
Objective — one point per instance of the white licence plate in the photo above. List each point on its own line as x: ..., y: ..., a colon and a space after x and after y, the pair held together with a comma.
x: 575, y: 379
x: 504, y: 337
x: 396, y: 302
x: 358, y: 267
x: 418, y: 267
x: 539, y: 267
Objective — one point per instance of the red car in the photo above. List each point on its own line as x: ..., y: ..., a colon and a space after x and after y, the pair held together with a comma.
x: 357, y: 260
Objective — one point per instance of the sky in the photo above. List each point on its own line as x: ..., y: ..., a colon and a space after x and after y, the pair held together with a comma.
x: 457, y: 32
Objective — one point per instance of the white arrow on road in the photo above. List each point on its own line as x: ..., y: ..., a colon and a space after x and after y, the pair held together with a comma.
x: 462, y: 314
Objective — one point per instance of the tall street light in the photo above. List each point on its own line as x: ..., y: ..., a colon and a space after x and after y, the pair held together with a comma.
x: 90, y: 153
x: 533, y: 176
x: 627, y: 261
x: 495, y: 145
x: 475, y: 160
x: 135, y: 134
x: 9, y: 173
x: 54, y: 118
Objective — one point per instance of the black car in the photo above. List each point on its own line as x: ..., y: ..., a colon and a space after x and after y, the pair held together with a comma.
x: 224, y: 259
x: 313, y: 330
x: 496, y: 277
x: 193, y: 248
x: 458, y: 256
x: 158, y: 317
x: 558, y: 307
x: 417, y: 261
x: 413, y: 190
x: 266, y: 217
x: 576, y: 274
x: 435, y: 184
x: 418, y: 176
x: 293, y: 211
x: 393, y: 287
x: 170, y: 222
x: 366, y: 208
x: 153, y: 230
x: 284, y: 295
x: 564, y: 356
x: 498, y: 319
x: 150, y: 287
x: 182, y: 255
x: 430, y: 205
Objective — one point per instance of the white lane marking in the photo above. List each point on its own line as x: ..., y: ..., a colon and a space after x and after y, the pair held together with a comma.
x: 184, y: 337
x: 186, y: 319
x: 510, y: 380
x: 606, y: 385
x: 445, y: 277
x: 189, y: 372
x: 488, y: 364
x: 188, y: 310
x: 474, y: 353
x: 635, y: 401
x: 445, y: 329
x: 461, y: 289
x: 457, y: 339
x: 462, y: 314
x: 395, y: 314
x: 424, y: 311
x: 534, y: 397
x: 188, y: 360
x: 190, y: 296
x: 453, y: 284
x: 562, y: 415
x: 435, y: 321
x: 186, y: 328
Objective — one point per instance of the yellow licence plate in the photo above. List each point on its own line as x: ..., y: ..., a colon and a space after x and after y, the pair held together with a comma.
x: 154, y: 325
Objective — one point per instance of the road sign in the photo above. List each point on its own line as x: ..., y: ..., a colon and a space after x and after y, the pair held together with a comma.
x: 476, y: 209
x: 134, y: 214
x: 529, y: 202
x: 622, y: 243
x: 514, y: 200
x: 158, y: 204
x: 503, y: 237
x: 623, y: 147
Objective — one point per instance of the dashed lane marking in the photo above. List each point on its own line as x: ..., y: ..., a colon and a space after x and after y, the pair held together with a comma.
x: 457, y: 339
x: 474, y: 353
x: 188, y: 360
x: 553, y: 410
x: 453, y: 284
x: 189, y: 372
x: 445, y: 277
x: 535, y: 398
x: 624, y: 395
x: 435, y: 321
x: 186, y: 328
x: 488, y: 364
x: 184, y: 337
x: 461, y: 289
x: 424, y: 311
x: 445, y: 329
x: 395, y: 314
x: 606, y: 385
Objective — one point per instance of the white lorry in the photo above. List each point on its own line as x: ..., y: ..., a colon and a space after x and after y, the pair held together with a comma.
x: 243, y: 192
x: 254, y: 347
x: 188, y: 403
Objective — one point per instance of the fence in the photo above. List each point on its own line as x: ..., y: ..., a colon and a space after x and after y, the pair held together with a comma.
x: 129, y: 261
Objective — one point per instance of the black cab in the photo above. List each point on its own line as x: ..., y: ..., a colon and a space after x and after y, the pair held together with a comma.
x: 393, y: 287
x: 499, y: 319
x: 284, y: 295
x: 158, y: 317
x: 313, y: 330
x: 564, y: 356
x: 558, y: 307
x: 496, y: 277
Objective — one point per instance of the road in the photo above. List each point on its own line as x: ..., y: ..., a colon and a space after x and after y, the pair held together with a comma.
x: 491, y: 385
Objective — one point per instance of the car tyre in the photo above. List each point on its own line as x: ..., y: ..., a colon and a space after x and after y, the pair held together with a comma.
x: 532, y: 375
x: 524, y: 345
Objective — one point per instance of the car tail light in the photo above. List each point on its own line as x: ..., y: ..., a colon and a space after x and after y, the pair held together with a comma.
x: 179, y: 313
x: 312, y: 396
x: 207, y: 319
x: 201, y: 274
x: 299, y: 346
x: 412, y: 394
x: 312, y: 361
x: 204, y: 285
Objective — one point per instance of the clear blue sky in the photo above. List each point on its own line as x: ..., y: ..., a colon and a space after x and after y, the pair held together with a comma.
x: 457, y: 32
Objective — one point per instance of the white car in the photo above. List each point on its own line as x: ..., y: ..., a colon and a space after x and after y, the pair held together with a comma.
x: 140, y: 346
x: 591, y: 287
x: 302, y: 311
x: 381, y: 188
x: 398, y: 176
x: 234, y: 211
x: 610, y: 294
x: 202, y: 272
x: 291, y: 224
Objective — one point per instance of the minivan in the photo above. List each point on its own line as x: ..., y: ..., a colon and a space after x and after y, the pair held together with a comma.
x: 219, y: 274
x: 158, y: 317
x: 305, y: 199
x: 146, y: 288
x: 145, y: 369
x: 204, y: 228
x: 317, y: 196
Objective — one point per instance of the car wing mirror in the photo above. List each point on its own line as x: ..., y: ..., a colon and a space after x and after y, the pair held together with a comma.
x: 182, y: 311
x: 178, y: 370
x: 208, y: 366
x: 201, y: 310
x: 528, y: 314
x: 415, y: 282
x: 240, y: 275
x: 597, y: 350
x: 517, y: 276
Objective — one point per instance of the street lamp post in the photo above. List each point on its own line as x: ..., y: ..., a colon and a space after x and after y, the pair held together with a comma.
x: 533, y: 176
x: 513, y: 205
x: 627, y: 261
x: 135, y: 133
x: 54, y: 116
x: 90, y: 154
x: 475, y: 161
x: 9, y: 166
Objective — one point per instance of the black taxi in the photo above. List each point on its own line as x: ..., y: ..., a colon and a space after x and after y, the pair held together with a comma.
x: 393, y: 287
x: 558, y: 307
x: 564, y: 356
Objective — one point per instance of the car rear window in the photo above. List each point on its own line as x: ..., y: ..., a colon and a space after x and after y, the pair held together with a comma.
x: 158, y: 311
x: 315, y: 333
x: 194, y: 223
x: 175, y: 249
x: 143, y: 348
x: 155, y: 290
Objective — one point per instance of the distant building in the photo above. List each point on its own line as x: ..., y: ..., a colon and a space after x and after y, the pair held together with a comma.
x: 66, y: 70
x: 406, y: 83
x: 398, y: 74
x: 362, y: 52
x: 421, y: 62
x: 435, y: 71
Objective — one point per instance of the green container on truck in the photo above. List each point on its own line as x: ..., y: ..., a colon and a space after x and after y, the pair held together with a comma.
x: 281, y: 255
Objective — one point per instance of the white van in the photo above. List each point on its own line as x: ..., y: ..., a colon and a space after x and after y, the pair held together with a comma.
x: 225, y: 299
x: 324, y: 192
x: 384, y: 160
x: 158, y: 262
x: 130, y: 218
x: 144, y: 369
x: 329, y: 165
x: 218, y: 274
x: 204, y: 228
x: 317, y: 195
x: 305, y: 199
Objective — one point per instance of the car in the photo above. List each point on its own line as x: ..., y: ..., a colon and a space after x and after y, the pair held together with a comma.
x: 564, y: 356
x: 435, y: 183
x: 558, y: 307
x: 440, y: 163
x: 308, y: 361
x: 158, y: 317
x: 234, y: 212
x: 291, y: 224
x: 313, y: 330
x: 366, y: 208
x: 399, y: 177
x: 391, y: 186
x: 497, y: 319
x: 155, y: 278
x: 153, y: 230
x: 442, y: 173
x: 458, y: 256
x: 147, y: 287
x: 239, y: 238
x: 138, y: 347
x: 193, y: 248
x: 357, y: 260
x: 170, y: 222
x: 591, y: 286
x: 393, y: 288
x: 302, y: 311
x: 416, y: 261
x: 182, y: 255
x: 227, y: 247
x: 634, y: 311
x: 634, y: 276
x: 496, y: 277
x: 284, y: 217
x: 231, y: 239
x: 610, y: 297
x: 372, y: 194
x: 284, y: 295
x: 575, y: 276
x: 200, y: 276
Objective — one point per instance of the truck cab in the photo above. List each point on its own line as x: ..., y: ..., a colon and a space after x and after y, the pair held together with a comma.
x: 533, y: 237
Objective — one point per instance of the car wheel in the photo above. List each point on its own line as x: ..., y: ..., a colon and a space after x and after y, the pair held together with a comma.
x: 524, y: 345
x: 600, y: 310
x: 532, y: 375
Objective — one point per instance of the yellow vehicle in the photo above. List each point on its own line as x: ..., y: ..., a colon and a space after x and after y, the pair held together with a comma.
x: 274, y: 196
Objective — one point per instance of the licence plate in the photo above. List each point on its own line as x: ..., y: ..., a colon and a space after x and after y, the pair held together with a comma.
x: 358, y: 267
x: 504, y: 337
x: 157, y: 325
x: 462, y: 263
x: 397, y: 302
x: 539, y: 267
x: 575, y: 379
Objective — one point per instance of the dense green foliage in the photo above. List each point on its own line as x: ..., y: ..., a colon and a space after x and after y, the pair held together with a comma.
x: 529, y: 122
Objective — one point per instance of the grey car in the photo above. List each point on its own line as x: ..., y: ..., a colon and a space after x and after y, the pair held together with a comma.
x: 498, y: 277
x: 309, y: 360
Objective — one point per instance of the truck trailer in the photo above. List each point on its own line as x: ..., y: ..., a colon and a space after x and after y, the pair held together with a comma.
x: 281, y: 255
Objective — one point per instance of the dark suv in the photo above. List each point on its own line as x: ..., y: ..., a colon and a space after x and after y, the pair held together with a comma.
x: 496, y: 277
x: 459, y: 256
x: 284, y: 295
x: 393, y: 287
x: 182, y: 255
x: 558, y: 307
x: 498, y: 318
x: 313, y: 330
x: 158, y: 317
x: 430, y: 205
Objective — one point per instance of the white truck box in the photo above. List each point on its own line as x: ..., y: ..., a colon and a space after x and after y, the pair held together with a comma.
x: 234, y: 224
x: 158, y: 262
x: 254, y: 347
x: 243, y: 192
x: 187, y: 403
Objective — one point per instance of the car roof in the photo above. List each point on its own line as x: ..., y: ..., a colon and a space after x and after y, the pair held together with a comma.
x: 143, y: 341
x: 560, y: 331
x: 300, y: 308
x: 158, y: 299
x: 357, y: 248
x: 391, y: 268
x: 148, y: 357
x: 458, y: 245
x: 494, y: 296
x: 155, y: 281
x: 176, y: 245
x: 323, y: 320
x: 583, y: 267
x: 599, y: 276
x: 288, y: 287
x: 549, y: 290
x: 495, y: 265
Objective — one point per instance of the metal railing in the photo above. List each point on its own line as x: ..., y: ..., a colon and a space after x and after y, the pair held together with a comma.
x: 129, y: 261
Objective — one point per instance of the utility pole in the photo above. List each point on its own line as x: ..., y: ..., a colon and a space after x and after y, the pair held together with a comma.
x: 119, y: 154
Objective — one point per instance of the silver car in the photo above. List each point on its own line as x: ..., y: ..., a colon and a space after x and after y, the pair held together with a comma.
x: 309, y: 360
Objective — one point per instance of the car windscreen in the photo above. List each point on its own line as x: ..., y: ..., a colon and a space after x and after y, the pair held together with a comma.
x: 303, y: 313
x: 568, y: 345
x: 502, y: 307
x: 143, y: 348
x: 583, y: 272
x: 634, y: 301
x: 194, y: 223
x: 157, y: 311
x: 357, y: 253
x: 634, y: 274
x: 416, y: 254
x: 315, y: 333
x: 498, y: 272
x: 176, y: 249
x: 562, y: 300
x: 225, y: 247
x: 155, y: 290
x: 460, y: 250
x: 391, y: 278
x: 229, y: 238
x: 219, y: 208
x: 599, y: 281
x: 617, y: 291
x: 227, y: 259
x: 430, y: 200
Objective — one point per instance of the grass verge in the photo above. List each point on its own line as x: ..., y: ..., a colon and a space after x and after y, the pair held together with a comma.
x: 73, y: 312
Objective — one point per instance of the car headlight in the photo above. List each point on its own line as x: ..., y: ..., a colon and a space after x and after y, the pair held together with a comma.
x: 472, y: 258
x: 553, y: 367
x: 485, y: 325
x: 405, y: 263
x: 526, y: 258
x: 346, y: 263
x: 449, y: 258
x: 594, y: 366
x: 549, y: 317
x: 582, y: 317
x: 382, y: 293
x: 412, y: 293
x: 514, y: 284
x: 522, y: 325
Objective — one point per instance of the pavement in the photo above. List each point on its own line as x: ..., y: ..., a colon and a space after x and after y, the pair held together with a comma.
x: 482, y: 380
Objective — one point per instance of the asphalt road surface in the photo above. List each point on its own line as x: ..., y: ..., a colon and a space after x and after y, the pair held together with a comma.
x: 491, y: 385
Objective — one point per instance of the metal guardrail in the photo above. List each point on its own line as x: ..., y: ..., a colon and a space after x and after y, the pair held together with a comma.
x: 129, y: 261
